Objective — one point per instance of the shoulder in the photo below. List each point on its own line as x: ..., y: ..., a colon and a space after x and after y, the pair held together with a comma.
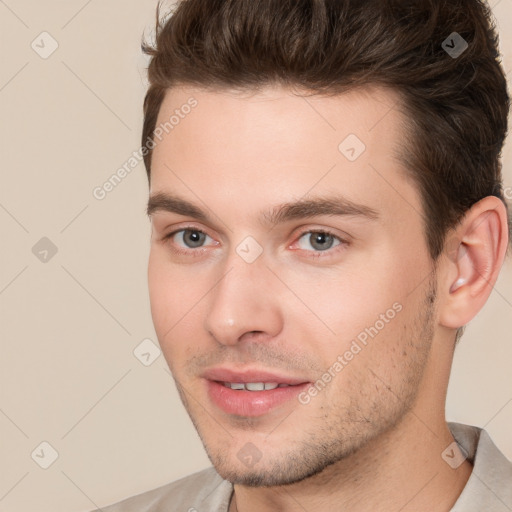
x: 490, y: 485
x: 203, y: 490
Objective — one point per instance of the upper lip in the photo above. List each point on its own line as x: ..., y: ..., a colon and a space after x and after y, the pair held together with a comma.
x: 249, y: 375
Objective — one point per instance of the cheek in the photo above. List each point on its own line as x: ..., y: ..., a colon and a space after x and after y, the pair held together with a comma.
x: 345, y: 301
x: 358, y: 309
x: 175, y: 297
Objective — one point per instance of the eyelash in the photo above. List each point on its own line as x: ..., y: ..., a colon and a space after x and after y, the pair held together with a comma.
x: 313, y: 254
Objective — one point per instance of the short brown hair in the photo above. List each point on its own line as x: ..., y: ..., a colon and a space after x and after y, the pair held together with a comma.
x: 456, y: 106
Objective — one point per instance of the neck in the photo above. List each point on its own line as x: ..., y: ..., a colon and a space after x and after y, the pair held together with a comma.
x: 402, y: 470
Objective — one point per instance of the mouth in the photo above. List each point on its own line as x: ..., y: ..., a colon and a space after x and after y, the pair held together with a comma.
x: 254, y: 386
x: 251, y: 393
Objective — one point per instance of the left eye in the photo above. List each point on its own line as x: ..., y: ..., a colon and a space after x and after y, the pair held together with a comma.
x: 319, y: 240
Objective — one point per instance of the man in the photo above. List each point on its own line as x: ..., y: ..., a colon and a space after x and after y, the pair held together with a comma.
x: 327, y: 215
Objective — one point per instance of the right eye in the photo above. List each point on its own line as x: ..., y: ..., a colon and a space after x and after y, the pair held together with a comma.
x: 190, y: 238
x: 188, y: 241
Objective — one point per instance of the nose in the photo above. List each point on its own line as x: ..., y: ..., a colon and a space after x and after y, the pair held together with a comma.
x: 245, y: 301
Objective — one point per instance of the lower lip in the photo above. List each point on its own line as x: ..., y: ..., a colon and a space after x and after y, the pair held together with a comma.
x: 251, y: 403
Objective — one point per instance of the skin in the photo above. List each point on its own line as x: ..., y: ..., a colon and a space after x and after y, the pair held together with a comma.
x: 372, y: 439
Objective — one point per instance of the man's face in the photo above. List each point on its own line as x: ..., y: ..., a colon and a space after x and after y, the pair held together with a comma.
x: 335, y: 300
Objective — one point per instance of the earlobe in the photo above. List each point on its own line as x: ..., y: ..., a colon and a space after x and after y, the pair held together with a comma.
x: 475, y: 255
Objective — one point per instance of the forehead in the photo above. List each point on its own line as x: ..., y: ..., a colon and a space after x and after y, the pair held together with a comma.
x: 271, y: 145
x: 280, y: 114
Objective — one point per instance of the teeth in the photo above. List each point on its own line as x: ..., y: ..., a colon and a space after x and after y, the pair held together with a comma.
x: 253, y: 386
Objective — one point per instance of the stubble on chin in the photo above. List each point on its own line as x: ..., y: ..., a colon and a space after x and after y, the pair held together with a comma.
x: 335, y: 432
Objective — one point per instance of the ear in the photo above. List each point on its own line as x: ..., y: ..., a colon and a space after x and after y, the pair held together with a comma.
x: 475, y: 252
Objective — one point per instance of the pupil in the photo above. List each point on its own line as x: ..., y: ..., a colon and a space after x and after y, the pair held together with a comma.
x: 195, y: 238
x: 322, y: 241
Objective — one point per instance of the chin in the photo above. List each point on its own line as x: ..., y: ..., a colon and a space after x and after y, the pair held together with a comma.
x: 289, y: 469
x: 262, y: 477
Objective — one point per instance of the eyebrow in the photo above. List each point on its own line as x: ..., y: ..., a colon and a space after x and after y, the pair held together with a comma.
x: 301, y: 209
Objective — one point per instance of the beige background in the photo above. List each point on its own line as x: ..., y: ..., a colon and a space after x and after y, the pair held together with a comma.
x: 69, y: 326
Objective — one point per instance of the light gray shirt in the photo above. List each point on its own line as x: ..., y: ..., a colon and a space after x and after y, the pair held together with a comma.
x: 489, y: 488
